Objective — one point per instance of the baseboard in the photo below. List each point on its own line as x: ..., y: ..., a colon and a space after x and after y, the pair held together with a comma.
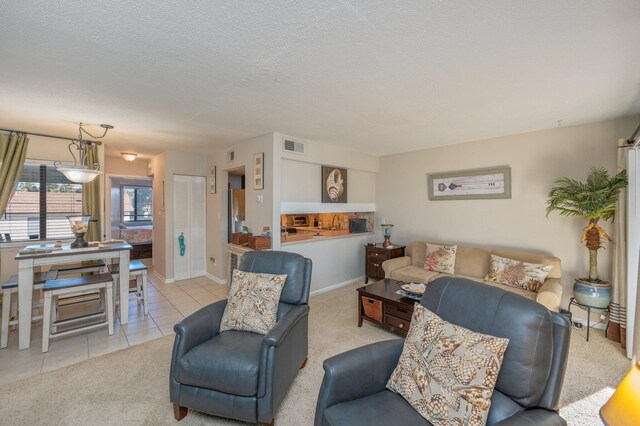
x: 336, y: 286
x: 583, y: 321
x: 216, y: 279
x: 163, y: 279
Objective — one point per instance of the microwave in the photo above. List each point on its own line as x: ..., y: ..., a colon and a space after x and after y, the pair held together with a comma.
x: 357, y: 225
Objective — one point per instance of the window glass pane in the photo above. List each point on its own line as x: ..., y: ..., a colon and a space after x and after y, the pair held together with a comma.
x: 64, y: 198
x: 23, y: 220
x: 22, y: 217
x: 144, y: 204
x: 128, y: 204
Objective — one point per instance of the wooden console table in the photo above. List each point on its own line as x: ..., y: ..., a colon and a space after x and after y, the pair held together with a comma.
x: 384, y: 307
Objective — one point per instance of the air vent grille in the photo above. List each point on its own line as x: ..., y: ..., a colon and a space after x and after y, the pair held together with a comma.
x: 289, y: 145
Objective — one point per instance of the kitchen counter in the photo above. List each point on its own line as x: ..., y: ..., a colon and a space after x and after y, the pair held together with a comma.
x: 307, y: 237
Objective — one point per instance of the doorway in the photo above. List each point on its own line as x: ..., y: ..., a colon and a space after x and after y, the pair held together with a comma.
x: 129, y: 207
x: 236, y: 213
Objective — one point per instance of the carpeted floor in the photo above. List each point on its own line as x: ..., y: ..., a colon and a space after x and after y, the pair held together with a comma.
x: 131, y: 386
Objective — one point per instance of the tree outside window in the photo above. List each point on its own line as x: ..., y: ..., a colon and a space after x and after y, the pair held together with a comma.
x: 137, y: 204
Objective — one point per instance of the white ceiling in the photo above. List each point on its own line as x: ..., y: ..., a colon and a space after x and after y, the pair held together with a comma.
x: 380, y: 77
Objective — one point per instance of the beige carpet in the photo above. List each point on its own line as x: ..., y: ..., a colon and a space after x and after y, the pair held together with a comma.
x: 131, y: 386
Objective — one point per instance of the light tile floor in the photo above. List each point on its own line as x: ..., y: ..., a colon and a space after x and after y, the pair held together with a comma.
x: 168, y: 304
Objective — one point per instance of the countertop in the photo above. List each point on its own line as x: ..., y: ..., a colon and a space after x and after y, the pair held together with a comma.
x: 324, y: 235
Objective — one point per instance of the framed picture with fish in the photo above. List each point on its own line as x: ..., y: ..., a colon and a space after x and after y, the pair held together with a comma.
x: 334, y: 185
x: 474, y: 184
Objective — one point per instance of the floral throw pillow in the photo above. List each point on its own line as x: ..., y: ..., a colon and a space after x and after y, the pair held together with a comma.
x: 528, y: 276
x: 447, y: 372
x: 440, y: 258
x: 253, y: 302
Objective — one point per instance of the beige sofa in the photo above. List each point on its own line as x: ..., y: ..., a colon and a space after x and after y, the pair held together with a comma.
x: 473, y: 263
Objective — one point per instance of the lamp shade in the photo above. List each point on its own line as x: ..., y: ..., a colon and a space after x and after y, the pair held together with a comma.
x: 79, y: 175
x: 623, y: 408
x: 129, y: 156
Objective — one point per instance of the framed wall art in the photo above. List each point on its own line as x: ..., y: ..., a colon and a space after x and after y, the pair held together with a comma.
x: 474, y: 184
x: 212, y: 180
x: 334, y: 185
x: 258, y: 171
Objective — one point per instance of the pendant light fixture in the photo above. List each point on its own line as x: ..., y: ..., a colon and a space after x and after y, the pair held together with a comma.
x: 82, y: 171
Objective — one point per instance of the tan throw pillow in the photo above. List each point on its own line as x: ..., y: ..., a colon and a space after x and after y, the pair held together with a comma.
x: 440, y: 258
x: 528, y: 276
x: 253, y: 302
x: 447, y: 372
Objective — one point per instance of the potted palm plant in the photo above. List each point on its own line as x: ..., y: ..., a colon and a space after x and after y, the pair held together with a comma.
x: 594, y: 200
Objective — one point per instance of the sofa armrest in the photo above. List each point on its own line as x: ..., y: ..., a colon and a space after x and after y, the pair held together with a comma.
x: 279, y: 332
x: 357, y: 373
x: 537, y: 417
x: 550, y: 294
x: 284, y: 350
x: 392, y: 264
x: 195, y: 329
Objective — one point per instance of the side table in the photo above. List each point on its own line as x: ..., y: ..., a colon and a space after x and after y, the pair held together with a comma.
x: 374, y: 256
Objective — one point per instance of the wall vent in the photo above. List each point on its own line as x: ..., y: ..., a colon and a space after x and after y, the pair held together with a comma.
x: 231, y: 155
x: 289, y: 145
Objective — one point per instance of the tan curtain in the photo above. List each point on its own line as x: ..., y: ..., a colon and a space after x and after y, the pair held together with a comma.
x: 91, y: 198
x: 618, y: 308
x: 13, y: 151
x: 635, y: 348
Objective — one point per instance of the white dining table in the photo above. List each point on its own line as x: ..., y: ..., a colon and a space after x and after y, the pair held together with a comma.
x: 32, y: 257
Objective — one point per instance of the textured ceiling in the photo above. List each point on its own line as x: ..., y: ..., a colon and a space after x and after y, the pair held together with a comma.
x: 380, y: 77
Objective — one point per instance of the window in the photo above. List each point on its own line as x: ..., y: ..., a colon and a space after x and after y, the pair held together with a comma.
x: 39, y: 207
x: 137, y: 203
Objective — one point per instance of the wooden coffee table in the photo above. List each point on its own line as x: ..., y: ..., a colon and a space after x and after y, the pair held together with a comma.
x: 378, y: 303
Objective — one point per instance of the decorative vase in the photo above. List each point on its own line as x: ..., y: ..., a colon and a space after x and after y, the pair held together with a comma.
x: 79, y: 227
x: 597, y: 296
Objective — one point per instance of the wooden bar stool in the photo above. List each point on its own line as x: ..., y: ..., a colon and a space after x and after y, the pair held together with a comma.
x: 136, y: 269
x: 10, y: 306
x: 76, y: 285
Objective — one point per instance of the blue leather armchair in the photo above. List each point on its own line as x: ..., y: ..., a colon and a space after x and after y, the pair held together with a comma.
x: 238, y: 374
x: 353, y: 391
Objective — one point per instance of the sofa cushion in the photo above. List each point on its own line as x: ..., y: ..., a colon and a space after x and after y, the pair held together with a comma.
x: 447, y: 372
x: 278, y: 262
x: 472, y: 261
x: 501, y: 313
x: 417, y: 251
x: 440, y: 258
x: 556, y: 268
x: 253, y: 302
x: 382, y: 408
x: 227, y: 363
x: 416, y: 274
x: 516, y: 273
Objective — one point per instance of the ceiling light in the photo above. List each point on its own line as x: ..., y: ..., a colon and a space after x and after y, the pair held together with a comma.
x: 129, y: 156
x: 82, y: 171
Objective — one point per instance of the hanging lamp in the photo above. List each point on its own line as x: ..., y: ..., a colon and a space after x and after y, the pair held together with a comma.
x: 82, y: 171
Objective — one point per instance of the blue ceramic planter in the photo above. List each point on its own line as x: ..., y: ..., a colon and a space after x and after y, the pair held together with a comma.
x: 595, y: 296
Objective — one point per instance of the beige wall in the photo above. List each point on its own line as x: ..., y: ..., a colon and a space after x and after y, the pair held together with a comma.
x: 119, y: 166
x: 536, y: 159
x: 257, y: 215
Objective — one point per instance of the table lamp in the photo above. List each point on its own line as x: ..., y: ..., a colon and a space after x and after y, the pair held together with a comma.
x: 623, y: 408
x: 387, y: 234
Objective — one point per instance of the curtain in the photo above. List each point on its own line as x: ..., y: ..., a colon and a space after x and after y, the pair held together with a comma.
x: 635, y: 348
x: 618, y: 308
x: 91, y: 198
x: 13, y: 151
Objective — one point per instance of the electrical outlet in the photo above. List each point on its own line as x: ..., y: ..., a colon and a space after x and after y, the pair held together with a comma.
x: 212, y: 260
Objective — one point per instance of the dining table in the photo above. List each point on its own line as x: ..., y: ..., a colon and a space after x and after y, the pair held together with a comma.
x: 33, y: 257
